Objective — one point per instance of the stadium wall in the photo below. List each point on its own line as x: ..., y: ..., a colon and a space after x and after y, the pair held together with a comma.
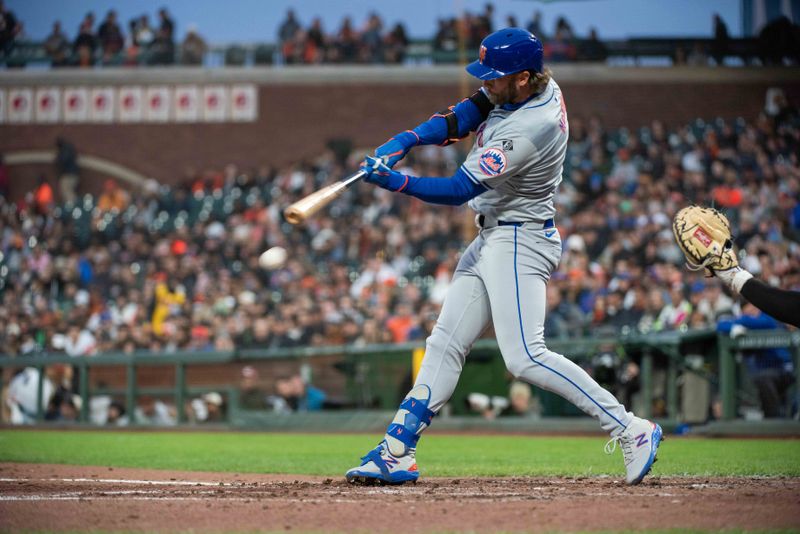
x: 301, y: 109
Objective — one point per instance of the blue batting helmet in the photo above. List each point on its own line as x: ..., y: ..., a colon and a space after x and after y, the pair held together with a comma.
x: 506, y: 52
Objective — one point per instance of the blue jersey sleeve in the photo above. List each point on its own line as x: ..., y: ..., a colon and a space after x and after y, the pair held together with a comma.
x: 451, y: 124
x: 451, y: 191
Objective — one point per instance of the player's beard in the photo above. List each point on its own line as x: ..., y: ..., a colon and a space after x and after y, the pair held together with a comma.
x: 507, y: 96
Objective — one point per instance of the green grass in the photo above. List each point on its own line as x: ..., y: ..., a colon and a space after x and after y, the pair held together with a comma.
x: 438, y: 455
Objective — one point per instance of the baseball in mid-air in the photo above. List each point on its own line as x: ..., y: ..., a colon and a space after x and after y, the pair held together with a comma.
x: 273, y: 258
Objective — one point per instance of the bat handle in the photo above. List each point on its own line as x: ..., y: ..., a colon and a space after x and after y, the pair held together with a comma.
x: 350, y: 180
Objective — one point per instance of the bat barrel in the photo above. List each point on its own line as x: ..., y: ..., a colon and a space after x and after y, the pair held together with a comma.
x: 293, y: 215
x: 308, y: 206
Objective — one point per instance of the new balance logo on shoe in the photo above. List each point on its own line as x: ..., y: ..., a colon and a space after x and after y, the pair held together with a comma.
x: 390, y: 461
x: 640, y: 439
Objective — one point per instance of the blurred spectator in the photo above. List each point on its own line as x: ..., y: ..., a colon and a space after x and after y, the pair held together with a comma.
x: 400, y: 324
x: 483, y: 24
x: 778, y: 108
x: 113, y: 198
x: 592, y: 48
x: 85, y: 45
x: 111, y: 38
x: 67, y: 168
x: 143, y: 34
x: 64, y: 407
x: 395, y: 44
x: 151, y: 411
x: 251, y: 396
x: 316, y: 42
x: 20, y: 397
x: 79, y: 341
x: 57, y: 46
x: 561, y: 47
x: 677, y: 311
x: 372, y: 50
x: 347, y: 42
x: 163, y: 47
x: 772, y: 370
x: 299, y: 395
x: 536, y: 27
x: 43, y: 196
x: 564, y: 28
x: 518, y: 403
x: 10, y: 28
x: 116, y: 415
x: 209, y: 408
x: 168, y: 299
x: 194, y: 48
x: 446, y: 38
x: 719, y: 48
x: 288, y: 28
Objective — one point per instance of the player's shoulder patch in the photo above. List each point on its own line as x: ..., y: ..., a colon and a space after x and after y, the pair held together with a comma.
x: 492, y: 162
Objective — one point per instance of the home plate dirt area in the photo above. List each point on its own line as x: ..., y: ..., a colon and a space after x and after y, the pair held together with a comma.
x: 73, y: 498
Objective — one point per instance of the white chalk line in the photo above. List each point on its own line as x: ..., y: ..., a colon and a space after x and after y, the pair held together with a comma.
x: 46, y: 498
x: 122, y: 481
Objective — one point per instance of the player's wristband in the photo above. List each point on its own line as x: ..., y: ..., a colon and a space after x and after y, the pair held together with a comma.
x: 735, y: 278
x: 739, y: 280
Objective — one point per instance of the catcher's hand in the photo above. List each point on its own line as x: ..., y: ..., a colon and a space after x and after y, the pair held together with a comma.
x: 704, y: 236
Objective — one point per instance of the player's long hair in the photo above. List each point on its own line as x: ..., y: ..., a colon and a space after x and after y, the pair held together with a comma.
x: 539, y: 80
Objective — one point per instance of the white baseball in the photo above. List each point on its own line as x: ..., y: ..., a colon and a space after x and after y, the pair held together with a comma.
x: 273, y: 258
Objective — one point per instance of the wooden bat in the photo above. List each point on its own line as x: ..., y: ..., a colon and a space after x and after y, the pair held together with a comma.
x: 308, y: 206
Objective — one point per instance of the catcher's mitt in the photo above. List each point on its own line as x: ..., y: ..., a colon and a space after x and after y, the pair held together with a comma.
x: 704, y: 236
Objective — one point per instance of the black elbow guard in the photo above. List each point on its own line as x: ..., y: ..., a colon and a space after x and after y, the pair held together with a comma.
x: 484, y: 106
x: 482, y: 102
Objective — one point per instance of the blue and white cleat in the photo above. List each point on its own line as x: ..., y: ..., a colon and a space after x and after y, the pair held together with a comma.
x: 639, y: 443
x: 380, y: 466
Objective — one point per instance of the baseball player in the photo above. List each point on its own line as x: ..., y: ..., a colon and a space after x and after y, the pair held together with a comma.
x: 509, y: 178
x: 704, y: 236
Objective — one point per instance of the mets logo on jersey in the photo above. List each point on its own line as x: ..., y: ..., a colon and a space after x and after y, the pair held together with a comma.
x: 492, y: 162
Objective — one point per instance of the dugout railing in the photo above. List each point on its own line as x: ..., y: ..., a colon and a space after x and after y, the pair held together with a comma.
x: 372, y: 371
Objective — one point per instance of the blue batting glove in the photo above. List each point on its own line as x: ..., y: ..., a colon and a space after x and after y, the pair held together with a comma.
x: 397, y: 147
x: 379, y: 173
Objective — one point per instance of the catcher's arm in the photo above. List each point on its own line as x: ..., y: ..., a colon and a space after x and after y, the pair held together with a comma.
x: 781, y: 304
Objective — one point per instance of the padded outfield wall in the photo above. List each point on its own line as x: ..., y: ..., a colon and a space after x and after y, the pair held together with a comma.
x: 301, y: 108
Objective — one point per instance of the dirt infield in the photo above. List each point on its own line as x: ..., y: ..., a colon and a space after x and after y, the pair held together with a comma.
x: 73, y: 498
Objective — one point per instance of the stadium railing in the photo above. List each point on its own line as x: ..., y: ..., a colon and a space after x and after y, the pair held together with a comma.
x: 376, y: 366
x: 32, y: 53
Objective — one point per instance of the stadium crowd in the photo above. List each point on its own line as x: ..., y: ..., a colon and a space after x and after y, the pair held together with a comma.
x: 175, y: 268
x: 110, y: 43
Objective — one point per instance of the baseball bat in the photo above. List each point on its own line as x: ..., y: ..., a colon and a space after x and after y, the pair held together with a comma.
x: 308, y: 206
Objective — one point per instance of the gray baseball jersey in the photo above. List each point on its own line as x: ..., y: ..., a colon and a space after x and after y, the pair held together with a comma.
x: 502, y: 276
x: 519, y: 156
